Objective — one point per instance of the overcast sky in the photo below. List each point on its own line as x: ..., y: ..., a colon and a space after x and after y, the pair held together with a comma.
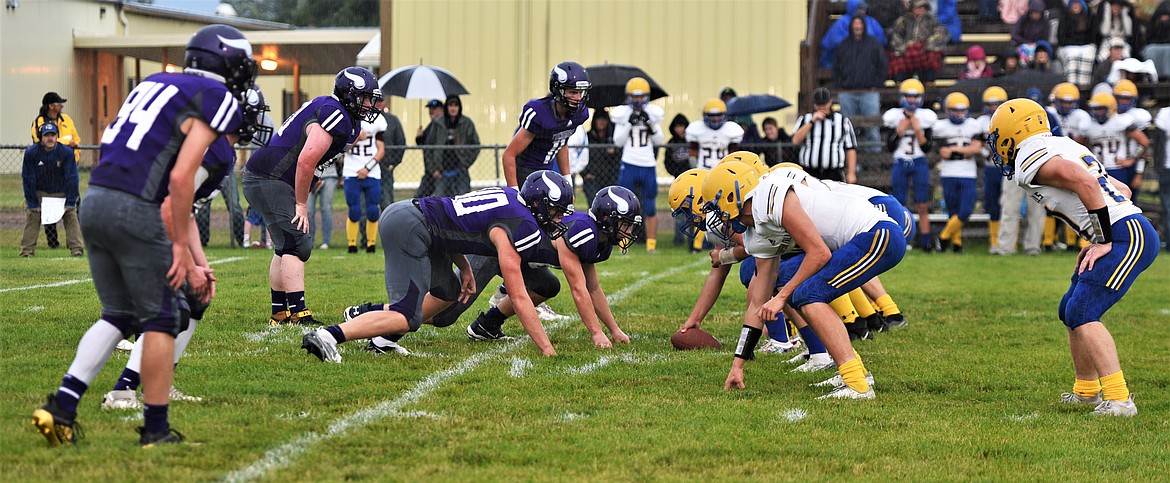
x: 201, y: 6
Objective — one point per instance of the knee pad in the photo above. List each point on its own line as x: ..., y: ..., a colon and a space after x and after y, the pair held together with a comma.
x: 372, y: 212
x: 542, y: 282
x: 197, y: 308
x: 355, y: 213
x: 299, y: 245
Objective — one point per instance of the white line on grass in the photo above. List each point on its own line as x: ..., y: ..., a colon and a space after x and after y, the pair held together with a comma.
x: 795, y: 415
x: 84, y: 280
x: 286, y: 454
x: 519, y: 365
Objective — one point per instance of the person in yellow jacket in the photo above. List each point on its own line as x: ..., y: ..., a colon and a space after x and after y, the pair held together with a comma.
x: 51, y: 105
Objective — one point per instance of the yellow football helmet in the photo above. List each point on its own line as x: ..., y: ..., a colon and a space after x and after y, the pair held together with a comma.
x: 749, y: 158
x: 686, y: 199
x: 957, y: 100
x: 1102, y: 106
x: 1066, y: 91
x: 994, y: 94
x: 637, y: 86
x: 912, y: 87
x: 787, y: 165
x: 1014, y: 121
x: 724, y: 191
x: 714, y: 113
x: 1126, y: 94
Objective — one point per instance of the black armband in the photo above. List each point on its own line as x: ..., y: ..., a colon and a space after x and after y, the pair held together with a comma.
x: 1099, y: 218
x: 749, y: 337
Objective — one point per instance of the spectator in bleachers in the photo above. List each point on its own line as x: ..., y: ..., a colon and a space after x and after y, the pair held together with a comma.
x: 988, y: 10
x: 1116, y: 19
x: 777, y: 144
x: 1044, y: 62
x: 917, y: 40
x: 840, y: 30
x: 977, y: 66
x: 1011, y: 11
x: 947, y: 12
x: 1157, y: 46
x: 1031, y: 28
x: 603, y: 166
x: 1009, y: 62
x: 860, y: 68
x: 886, y: 11
x: 1078, y: 42
x: 1116, y: 48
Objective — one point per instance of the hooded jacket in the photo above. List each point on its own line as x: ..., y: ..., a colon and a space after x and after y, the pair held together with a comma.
x: 1029, y: 31
x: 677, y: 156
x: 839, y: 31
x: 1076, y: 29
x: 447, y: 130
x: 859, y: 63
x: 1158, y: 31
x: 909, y: 30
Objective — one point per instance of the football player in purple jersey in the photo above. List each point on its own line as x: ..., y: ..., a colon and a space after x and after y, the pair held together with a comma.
x: 152, y: 149
x: 278, y: 178
x: 546, y: 124
x: 422, y: 237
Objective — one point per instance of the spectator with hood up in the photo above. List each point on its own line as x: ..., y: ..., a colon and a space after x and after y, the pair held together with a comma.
x: 1157, y: 46
x: 917, y: 40
x: 677, y: 158
x: 1031, y: 28
x: 977, y: 66
x: 1009, y: 62
x: 1078, y: 42
x: 1116, y: 20
x: 840, y: 31
x: 449, y: 167
x: 1044, y: 61
x: 859, y: 69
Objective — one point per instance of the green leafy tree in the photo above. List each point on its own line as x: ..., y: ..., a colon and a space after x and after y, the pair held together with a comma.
x: 309, y: 13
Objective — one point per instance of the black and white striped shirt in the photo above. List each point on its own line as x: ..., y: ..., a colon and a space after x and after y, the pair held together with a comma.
x: 827, y: 141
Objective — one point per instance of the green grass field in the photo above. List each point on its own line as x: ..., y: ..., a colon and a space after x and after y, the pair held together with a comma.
x: 968, y: 392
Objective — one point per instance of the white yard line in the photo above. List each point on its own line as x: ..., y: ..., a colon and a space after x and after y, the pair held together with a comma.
x: 85, y: 280
x: 286, y: 454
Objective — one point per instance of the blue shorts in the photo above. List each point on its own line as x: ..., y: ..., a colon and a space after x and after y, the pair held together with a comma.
x: 915, y: 170
x: 896, y: 212
x: 866, y: 256
x: 643, y: 181
x: 1091, y: 294
x: 959, y: 194
x: 992, y: 189
x: 254, y: 217
x: 1124, y: 175
x: 747, y: 270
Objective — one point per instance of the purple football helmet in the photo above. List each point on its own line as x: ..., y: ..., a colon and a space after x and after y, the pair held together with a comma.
x: 257, y: 128
x: 618, y: 214
x: 549, y: 196
x: 569, y: 75
x: 353, y: 87
x: 223, y: 51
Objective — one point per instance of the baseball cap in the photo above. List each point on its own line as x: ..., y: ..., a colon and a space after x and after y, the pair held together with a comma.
x: 51, y: 98
x: 920, y: 3
x: 434, y: 103
x: 727, y: 91
x: 48, y: 127
x: 1116, y: 42
x: 976, y: 52
x: 821, y: 96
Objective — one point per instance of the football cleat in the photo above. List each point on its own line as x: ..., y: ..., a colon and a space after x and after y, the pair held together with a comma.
x: 546, y: 313
x: 304, y: 317
x: 55, y: 424
x: 149, y: 440
x: 321, y: 344
x: 1073, y: 398
x: 875, y: 323
x: 480, y: 330
x: 1117, y: 408
x: 895, y: 321
x: 177, y: 395
x: 846, y: 392
x: 387, y: 347
x: 370, y: 249
x: 279, y: 318
x: 353, y: 311
x: 816, y: 362
x: 800, y: 358
x: 837, y: 381
x: 352, y: 249
x: 859, y: 331
x: 125, y: 345
x: 773, y: 346
x: 121, y: 399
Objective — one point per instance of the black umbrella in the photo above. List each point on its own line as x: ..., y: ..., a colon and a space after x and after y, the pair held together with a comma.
x: 421, y: 82
x: 609, y: 84
x: 755, y: 104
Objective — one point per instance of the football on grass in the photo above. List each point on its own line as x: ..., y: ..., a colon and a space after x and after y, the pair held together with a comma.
x: 693, y: 339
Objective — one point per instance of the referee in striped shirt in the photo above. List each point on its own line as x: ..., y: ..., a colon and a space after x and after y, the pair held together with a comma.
x: 828, y: 145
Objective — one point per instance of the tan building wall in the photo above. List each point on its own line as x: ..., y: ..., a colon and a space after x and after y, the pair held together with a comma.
x: 502, y: 50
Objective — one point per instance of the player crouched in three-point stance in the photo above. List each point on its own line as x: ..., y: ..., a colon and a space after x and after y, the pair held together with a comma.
x: 278, y: 178
x: 152, y: 149
x: 1071, y: 183
x: 846, y: 241
x: 422, y: 237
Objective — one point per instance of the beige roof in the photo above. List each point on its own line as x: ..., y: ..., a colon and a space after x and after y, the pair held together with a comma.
x: 318, y: 51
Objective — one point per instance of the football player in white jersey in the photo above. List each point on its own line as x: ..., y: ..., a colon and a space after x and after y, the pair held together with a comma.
x: 637, y: 129
x: 362, y: 175
x: 909, y: 135
x: 959, y: 140
x: 1109, y: 136
x: 1064, y: 102
x: 1126, y: 94
x: 1072, y: 184
x: 846, y: 241
x: 992, y: 181
x: 711, y: 138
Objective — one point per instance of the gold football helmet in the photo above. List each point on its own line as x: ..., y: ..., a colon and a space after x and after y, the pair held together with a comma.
x: 1014, y: 121
x: 637, y: 86
x: 686, y: 199
x: 724, y: 191
x: 749, y: 158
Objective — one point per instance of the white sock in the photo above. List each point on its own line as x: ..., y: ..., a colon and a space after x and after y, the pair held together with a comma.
x: 94, y: 350
x: 183, y: 339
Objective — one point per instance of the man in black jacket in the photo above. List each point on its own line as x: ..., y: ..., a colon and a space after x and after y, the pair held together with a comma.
x: 858, y: 70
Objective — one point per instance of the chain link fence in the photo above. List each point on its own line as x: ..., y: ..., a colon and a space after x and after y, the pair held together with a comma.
x: 225, y: 223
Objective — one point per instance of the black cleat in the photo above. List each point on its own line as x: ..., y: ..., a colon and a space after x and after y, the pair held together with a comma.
x: 859, y: 331
x: 957, y: 248
x: 944, y: 245
x: 370, y: 249
x: 56, y: 425
x: 896, y: 321
x: 875, y: 323
x: 149, y: 440
x: 353, y: 311
x: 304, y: 317
x: 483, y: 330
x: 352, y: 249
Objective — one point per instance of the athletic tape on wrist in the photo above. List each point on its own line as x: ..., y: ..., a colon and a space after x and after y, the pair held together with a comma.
x: 749, y: 337
x: 727, y: 256
x: 1099, y: 218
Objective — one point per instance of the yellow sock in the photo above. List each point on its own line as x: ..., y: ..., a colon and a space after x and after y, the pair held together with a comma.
x: 1114, y: 388
x: 887, y: 306
x: 860, y: 303
x: 697, y: 243
x: 1085, y: 388
x: 651, y: 244
x: 1070, y: 236
x: 351, y: 232
x: 952, y: 226
x: 371, y: 233
x: 957, y: 239
x: 853, y: 373
x: 844, y: 309
x: 1049, y: 232
x: 1082, y: 243
x: 993, y: 232
x: 876, y: 307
